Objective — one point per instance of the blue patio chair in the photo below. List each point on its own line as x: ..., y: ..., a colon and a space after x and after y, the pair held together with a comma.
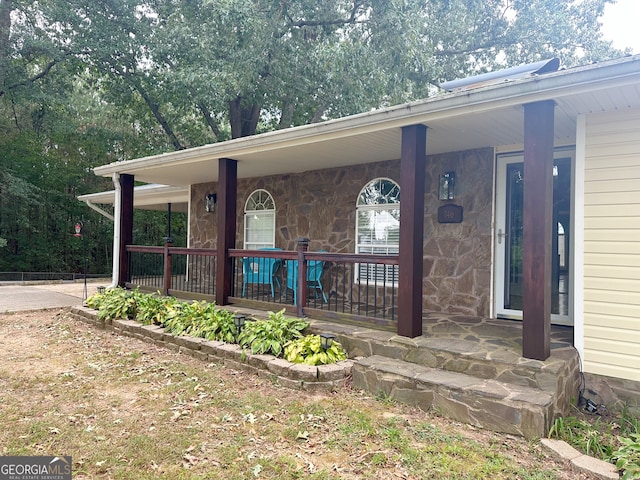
x: 314, y: 273
x: 260, y: 271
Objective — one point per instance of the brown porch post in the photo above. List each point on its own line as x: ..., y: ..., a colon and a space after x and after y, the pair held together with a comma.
x: 537, y: 223
x: 126, y: 227
x: 412, y: 169
x: 226, y: 208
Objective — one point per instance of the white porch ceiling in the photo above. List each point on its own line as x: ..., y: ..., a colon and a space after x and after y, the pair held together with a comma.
x: 485, y: 117
x: 146, y: 197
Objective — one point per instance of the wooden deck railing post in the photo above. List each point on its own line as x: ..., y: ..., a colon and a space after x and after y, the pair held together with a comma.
x: 303, y: 246
x: 167, y: 266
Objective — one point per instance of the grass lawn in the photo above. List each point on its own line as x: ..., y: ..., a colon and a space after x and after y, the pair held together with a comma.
x: 126, y: 409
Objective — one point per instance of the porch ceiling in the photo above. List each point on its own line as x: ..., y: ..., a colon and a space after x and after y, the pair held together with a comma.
x: 147, y: 197
x: 484, y: 117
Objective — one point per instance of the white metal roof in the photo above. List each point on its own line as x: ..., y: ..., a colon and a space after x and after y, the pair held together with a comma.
x: 146, y: 197
x: 483, y: 117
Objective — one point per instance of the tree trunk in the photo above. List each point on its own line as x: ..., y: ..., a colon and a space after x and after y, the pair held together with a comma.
x: 5, y: 30
x: 286, y: 118
x: 244, y: 118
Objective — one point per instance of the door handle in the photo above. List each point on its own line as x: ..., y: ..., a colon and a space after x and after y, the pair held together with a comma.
x: 501, y: 235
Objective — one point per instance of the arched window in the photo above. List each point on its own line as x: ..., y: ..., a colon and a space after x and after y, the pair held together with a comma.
x: 378, y: 223
x: 259, y: 221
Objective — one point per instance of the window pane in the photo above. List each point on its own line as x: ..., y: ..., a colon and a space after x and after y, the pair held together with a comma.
x: 378, y: 230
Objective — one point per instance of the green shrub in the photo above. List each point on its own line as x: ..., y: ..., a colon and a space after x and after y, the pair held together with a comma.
x: 115, y: 303
x: 155, y: 309
x: 271, y: 335
x: 627, y: 457
x: 308, y: 350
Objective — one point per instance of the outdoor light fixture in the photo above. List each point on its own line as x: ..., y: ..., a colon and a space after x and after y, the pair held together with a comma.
x: 326, y: 340
x: 239, y: 321
x: 210, y: 200
x: 446, y: 186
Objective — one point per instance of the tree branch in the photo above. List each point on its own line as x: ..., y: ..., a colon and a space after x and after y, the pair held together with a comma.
x: 153, y: 106
x: 325, y: 23
x: 27, y: 81
x: 209, y: 119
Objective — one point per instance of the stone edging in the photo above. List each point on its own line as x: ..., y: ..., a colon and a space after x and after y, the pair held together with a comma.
x: 325, y: 378
x: 583, y: 463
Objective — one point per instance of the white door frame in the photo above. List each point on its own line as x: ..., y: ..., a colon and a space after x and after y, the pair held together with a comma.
x: 502, y: 161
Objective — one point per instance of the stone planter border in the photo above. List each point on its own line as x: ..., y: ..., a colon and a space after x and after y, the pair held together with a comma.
x: 322, y: 378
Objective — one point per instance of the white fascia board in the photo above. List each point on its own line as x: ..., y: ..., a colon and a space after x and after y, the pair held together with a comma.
x: 547, y: 87
x: 143, y: 195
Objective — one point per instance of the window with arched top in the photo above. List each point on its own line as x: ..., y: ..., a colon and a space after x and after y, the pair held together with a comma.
x: 259, y: 221
x: 378, y: 226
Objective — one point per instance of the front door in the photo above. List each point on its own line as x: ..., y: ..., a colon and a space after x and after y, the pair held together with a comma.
x: 509, y: 201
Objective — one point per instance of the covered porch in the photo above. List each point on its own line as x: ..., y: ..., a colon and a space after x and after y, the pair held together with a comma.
x: 532, y: 115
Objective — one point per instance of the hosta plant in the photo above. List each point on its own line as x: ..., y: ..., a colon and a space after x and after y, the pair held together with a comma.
x: 308, y: 350
x: 155, y: 309
x: 115, y: 303
x: 627, y: 457
x: 271, y: 335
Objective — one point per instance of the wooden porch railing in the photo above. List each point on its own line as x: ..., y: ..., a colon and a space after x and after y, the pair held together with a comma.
x: 351, y: 287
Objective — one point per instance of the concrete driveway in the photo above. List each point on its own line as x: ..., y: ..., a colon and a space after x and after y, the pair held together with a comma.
x: 17, y: 298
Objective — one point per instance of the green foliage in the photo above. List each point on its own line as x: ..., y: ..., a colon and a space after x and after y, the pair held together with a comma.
x: 308, y: 350
x: 614, y: 439
x: 116, y: 303
x: 156, y: 309
x: 203, y: 320
x: 627, y: 457
x: 270, y: 336
x: 189, y: 73
x: 583, y: 435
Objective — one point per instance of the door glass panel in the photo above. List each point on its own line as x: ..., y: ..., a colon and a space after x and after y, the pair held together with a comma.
x: 560, y: 246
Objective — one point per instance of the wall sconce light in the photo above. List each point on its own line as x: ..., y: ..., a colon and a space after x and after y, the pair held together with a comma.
x: 210, y: 200
x: 446, y: 187
x: 326, y: 340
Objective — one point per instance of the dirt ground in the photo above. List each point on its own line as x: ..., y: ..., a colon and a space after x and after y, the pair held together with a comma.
x: 124, y: 408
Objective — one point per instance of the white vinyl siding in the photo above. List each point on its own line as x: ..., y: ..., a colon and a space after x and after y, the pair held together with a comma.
x: 612, y: 244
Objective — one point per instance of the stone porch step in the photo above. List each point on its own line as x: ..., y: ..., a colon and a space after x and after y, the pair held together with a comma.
x: 488, y: 358
x: 486, y: 403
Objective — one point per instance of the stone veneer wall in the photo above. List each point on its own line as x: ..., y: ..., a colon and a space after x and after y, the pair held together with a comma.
x: 321, y: 205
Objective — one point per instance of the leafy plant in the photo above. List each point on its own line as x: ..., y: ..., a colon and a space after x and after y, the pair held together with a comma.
x: 308, y: 350
x: 115, y: 303
x: 271, y: 335
x: 590, y: 438
x: 155, y: 309
x: 627, y: 457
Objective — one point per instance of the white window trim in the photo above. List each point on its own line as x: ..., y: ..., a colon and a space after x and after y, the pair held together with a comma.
x: 358, y: 245
x: 260, y: 212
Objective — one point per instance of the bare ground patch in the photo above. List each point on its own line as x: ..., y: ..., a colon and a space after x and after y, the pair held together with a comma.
x: 128, y: 409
